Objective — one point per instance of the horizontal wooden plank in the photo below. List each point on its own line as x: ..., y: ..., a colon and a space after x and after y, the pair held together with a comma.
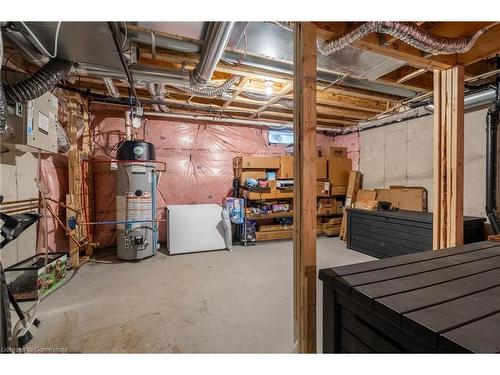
x: 365, y: 294
x: 428, y: 323
x: 395, y: 306
x: 352, y: 344
x: 346, y: 282
x: 407, y: 259
x: 374, y: 339
x: 481, y: 336
x: 391, y: 330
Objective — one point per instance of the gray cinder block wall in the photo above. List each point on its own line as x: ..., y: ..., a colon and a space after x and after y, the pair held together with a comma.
x: 402, y: 154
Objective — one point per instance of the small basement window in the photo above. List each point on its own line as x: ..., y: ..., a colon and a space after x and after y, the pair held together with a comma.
x: 280, y: 137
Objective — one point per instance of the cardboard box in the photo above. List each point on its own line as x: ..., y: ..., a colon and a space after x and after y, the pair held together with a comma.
x: 272, y: 194
x: 329, y: 206
x: 256, y: 162
x: 338, y: 190
x: 366, y: 195
x: 274, y: 227
x: 286, y: 167
x: 337, y: 152
x: 321, y: 168
x: 322, y: 188
x: 338, y: 171
x: 404, y: 198
x: 274, y: 235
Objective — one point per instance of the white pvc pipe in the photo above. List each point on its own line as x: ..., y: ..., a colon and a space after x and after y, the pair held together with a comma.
x: 242, y: 122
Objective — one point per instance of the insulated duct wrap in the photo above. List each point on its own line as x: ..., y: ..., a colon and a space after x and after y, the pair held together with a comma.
x: 211, y: 91
x: 110, y: 86
x: 45, y: 79
x: 157, y: 93
x: 404, y: 31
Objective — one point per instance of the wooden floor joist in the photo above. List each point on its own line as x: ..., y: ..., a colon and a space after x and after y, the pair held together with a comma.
x: 448, y: 157
x: 304, y: 218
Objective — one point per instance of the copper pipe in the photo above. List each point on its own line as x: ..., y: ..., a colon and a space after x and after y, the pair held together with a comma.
x: 20, y: 201
x: 64, y: 227
x: 63, y: 205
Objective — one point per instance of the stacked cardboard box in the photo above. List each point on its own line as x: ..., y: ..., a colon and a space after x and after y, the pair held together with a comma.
x: 339, y: 167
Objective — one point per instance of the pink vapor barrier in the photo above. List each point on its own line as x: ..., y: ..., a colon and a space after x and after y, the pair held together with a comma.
x: 198, y: 156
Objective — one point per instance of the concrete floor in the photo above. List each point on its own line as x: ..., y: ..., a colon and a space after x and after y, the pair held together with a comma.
x: 214, y: 302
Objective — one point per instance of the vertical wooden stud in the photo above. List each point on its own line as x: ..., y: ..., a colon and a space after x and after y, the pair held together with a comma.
x: 304, y: 236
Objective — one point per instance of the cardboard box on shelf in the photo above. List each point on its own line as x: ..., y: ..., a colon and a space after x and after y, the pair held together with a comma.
x: 285, y: 167
x: 322, y: 188
x: 321, y: 168
x: 339, y: 170
x: 329, y: 206
x: 338, y: 190
x: 256, y: 162
x: 274, y: 227
x: 255, y: 174
x: 274, y: 235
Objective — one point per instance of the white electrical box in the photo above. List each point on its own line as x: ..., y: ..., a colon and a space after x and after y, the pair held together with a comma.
x: 32, y: 125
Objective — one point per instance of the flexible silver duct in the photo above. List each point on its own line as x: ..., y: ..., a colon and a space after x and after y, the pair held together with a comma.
x: 45, y: 79
x: 152, y: 93
x: 406, y: 32
x: 254, y: 96
x: 63, y: 143
x: 4, y: 129
x: 161, y: 91
x: 210, y: 91
x: 157, y: 93
x: 218, y: 34
x: 110, y: 86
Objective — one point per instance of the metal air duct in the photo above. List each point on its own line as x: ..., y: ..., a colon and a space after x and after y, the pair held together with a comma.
x: 218, y: 34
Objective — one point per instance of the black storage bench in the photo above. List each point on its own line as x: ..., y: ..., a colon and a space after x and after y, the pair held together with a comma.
x: 384, y: 234
x: 443, y: 301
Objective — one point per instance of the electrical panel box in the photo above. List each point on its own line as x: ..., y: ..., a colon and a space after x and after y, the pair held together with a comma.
x: 32, y: 125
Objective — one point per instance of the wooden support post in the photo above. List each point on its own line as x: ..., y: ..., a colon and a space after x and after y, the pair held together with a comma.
x: 448, y: 224
x: 304, y: 199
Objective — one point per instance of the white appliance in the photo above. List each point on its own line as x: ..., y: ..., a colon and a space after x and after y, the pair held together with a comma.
x: 194, y: 227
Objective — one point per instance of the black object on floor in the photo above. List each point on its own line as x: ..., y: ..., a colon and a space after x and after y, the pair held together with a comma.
x: 443, y: 301
x: 389, y: 233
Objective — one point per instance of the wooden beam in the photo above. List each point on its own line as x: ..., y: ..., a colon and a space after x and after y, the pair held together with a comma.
x: 304, y: 217
x: 486, y: 46
x: 239, y: 89
x: 448, y: 157
x: 283, y: 92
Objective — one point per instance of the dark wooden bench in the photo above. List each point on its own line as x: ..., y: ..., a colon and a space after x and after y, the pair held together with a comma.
x: 383, y: 234
x: 445, y: 301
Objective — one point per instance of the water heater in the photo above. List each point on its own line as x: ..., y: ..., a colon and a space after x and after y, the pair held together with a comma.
x: 137, y: 231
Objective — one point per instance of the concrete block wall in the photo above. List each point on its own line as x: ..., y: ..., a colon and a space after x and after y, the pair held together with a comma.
x: 17, y: 181
x: 402, y: 154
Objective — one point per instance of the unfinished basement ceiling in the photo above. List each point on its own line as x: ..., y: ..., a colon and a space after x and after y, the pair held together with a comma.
x: 368, y: 79
x: 268, y: 45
